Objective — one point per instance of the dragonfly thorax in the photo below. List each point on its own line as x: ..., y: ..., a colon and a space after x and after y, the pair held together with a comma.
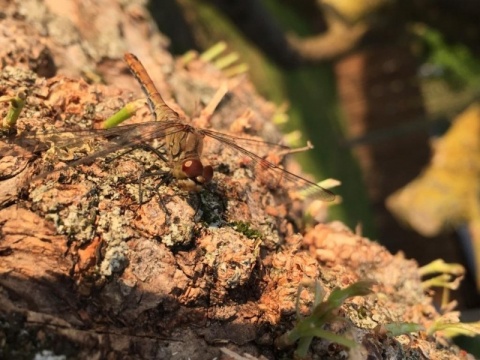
x: 184, y: 145
x: 185, y: 148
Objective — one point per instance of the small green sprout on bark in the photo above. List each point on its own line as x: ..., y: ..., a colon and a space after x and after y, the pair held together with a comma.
x: 215, y: 55
x: 16, y: 105
x: 449, y: 278
x: 440, y: 266
x: 213, y: 52
x: 323, y: 312
x: 123, y: 114
x: 399, y: 328
x: 450, y: 326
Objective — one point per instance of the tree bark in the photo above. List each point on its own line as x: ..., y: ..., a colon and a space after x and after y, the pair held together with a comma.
x: 88, y: 272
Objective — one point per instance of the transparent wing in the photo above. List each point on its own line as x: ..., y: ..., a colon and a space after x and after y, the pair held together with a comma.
x: 278, y: 173
x: 132, y: 135
x: 118, y: 138
x: 129, y: 133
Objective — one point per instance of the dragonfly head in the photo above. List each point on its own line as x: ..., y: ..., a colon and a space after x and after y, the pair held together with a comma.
x: 193, y: 174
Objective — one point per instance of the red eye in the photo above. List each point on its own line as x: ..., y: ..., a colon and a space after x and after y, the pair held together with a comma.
x: 192, y: 168
x: 207, y: 173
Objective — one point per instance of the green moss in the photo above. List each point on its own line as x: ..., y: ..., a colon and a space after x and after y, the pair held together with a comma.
x: 245, y: 229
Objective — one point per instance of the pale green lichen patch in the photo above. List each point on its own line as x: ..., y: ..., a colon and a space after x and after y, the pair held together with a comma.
x: 180, y: 222
x: 115, y: 259
x: 230, y: 260
x: 180, y: 234
x: 115, y: 232
x: 78, y: 223
x: 86, y: 209
x: 70, y: 216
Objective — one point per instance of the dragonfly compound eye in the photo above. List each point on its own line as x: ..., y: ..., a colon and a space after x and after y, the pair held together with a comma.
x: 207, y: 174
x: 192, y: 168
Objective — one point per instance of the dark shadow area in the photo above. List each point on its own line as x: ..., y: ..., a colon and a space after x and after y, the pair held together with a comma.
x: 58, y: 319
x: 171, y: 21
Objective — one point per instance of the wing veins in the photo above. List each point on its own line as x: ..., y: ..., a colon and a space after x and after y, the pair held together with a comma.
x: 125, y: 140
x: 280, y: 172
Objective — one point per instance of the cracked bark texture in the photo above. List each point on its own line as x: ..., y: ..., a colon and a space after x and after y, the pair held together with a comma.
x: 87, y: 272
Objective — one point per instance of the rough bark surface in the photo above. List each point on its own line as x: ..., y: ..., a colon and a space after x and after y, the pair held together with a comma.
x: 87, y: 272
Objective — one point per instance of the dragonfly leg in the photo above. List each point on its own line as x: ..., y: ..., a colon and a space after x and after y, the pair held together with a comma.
x: 166, y: 177
x: 154, y: 150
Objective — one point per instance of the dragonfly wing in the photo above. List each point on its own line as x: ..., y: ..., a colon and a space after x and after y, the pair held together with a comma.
x: 130, y: 134
x: 258, y: 145
x: 133, y: 135
x: 118, y: 138
x: 275, y: 172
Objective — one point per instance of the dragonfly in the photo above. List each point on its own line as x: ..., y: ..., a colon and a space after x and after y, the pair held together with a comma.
x: 183, y: 143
